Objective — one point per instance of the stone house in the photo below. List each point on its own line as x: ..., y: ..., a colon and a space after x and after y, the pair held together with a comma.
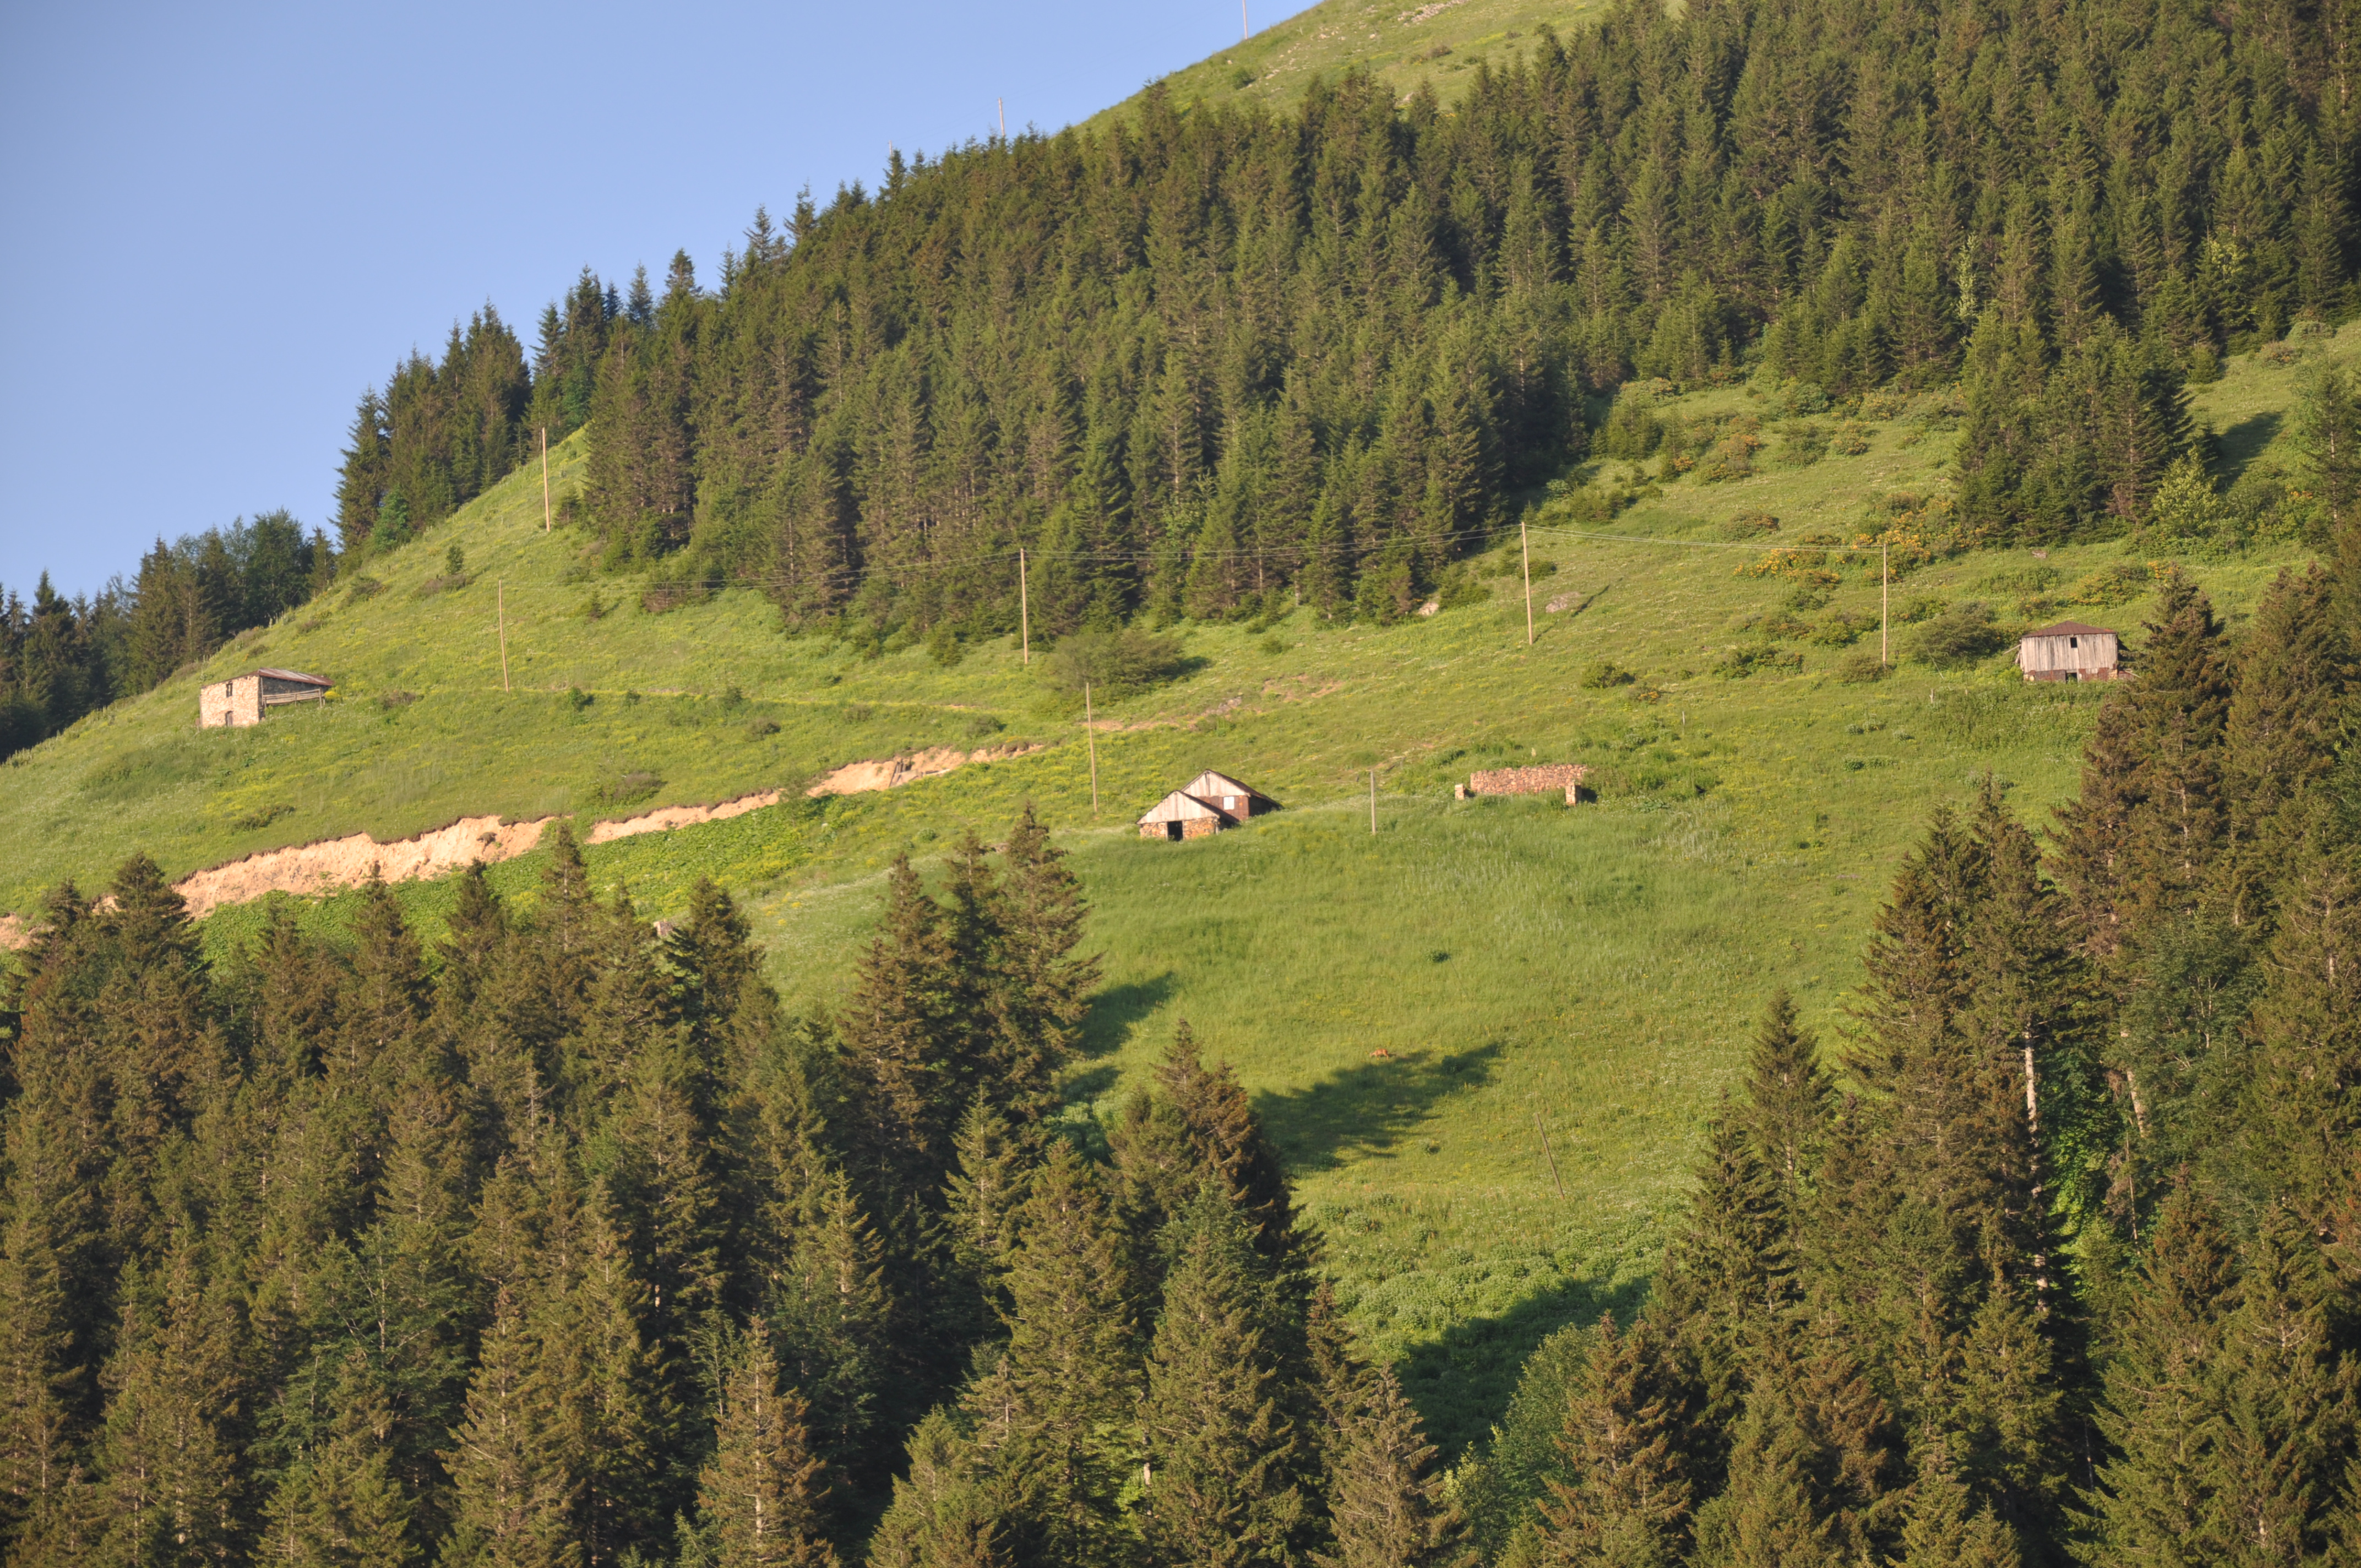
x: 1205, y: 806
x: 243, y: 699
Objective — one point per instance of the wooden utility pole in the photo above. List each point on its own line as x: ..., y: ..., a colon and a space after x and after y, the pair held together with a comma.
x: 1002, y: 102
x: 1373, y: 802
x: 1023, y: 611
x: 1246, y: 28
x: 544, y: 479
x: 501, y: 611
x: 1525, y: 549
x: 1550, y: 1154
x: 1089, y: 731
x: 1885, y: 596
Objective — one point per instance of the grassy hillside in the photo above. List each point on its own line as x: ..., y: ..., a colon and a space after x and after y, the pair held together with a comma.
x: 1413, y: 1009
x: 1401, y: 43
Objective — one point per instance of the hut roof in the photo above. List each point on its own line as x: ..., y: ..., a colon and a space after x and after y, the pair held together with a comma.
x: 1183, y: 806
x: 1209, y: 783
x: 2072, y: 629
x: 296, y: 676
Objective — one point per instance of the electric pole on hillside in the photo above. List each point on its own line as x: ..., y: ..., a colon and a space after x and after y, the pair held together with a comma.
x: 501, y: 612
x: 1526, y: 548
x: 1023, y: 611
x: 1373, y: 803
x: 1002, y: 104
x: 1885, y: 596
x: 1091, y: 732
x: 1246, y: 28
x: 544, y: 479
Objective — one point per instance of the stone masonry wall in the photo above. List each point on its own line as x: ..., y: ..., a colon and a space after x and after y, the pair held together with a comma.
x: 1550, y: 778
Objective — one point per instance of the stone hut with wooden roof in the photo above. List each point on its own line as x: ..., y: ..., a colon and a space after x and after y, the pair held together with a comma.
x: 2070, y: 651
x: 243, y: 699
x: 1205, y: 806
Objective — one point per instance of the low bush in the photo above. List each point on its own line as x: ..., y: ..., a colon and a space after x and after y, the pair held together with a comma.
x: 1114, y: 663
x: 1960, y: 635
x: 1605, y: 673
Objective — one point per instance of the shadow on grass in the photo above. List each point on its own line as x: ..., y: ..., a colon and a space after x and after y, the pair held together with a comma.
x: 1366, y: 1106
x: 1119, y: 1010
x: 2243, y: 442
x: 1462, y: 1382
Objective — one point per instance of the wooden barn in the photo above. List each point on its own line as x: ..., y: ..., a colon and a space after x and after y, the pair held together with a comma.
x: 243, y: 699
x: 1206, y: 804
x: 2070, y: 651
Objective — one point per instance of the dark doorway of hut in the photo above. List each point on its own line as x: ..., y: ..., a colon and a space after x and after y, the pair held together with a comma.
x: 1172, y: 831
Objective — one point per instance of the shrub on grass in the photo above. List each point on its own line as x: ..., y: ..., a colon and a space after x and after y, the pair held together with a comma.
x: 1739, y: 663
x: 1605, y: 673
x: 1960, y: 635
x: 1860, y: 667
x: 1114, y: 663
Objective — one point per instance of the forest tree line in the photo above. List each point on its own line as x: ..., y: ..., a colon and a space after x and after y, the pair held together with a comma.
x: 1211, y: 363
x: 61, y: 658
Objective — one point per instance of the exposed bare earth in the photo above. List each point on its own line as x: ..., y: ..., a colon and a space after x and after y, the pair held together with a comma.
x: 671, y: 817
x: 314, y: 868
x: 14, y: 933
x: 310, y: 870
x: 859, y: 778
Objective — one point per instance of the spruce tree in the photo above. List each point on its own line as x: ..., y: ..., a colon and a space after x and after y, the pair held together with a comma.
x: 758, y: 1495
x: 897, y: 1027
x: 341, y: 1506
x: 941, y: 1516
x: 2301, y: 1100
x: 167, y: 1461
x: 1730, y: 1274
x: 516, y: 1488
x: 1628, y: 1501
x: 1386, y: 1505
x: 2287, y: 1395
x: 1041, y: 989
x: 2295, y: 672
x: 1788, y: 1096
x: 2154, y: 1499
x: 1943, y: 1529
x: 1220, y: 1452
x: 1051, y: 1418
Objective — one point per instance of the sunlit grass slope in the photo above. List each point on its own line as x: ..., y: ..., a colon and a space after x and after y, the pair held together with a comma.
x: 1401, y: 42
x: 1413, y: 1009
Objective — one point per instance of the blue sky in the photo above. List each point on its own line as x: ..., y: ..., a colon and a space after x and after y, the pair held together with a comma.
x: 219, y: 224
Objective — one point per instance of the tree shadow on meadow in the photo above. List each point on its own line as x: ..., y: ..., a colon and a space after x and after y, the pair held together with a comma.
x: 1462, y: 1381
x: 1367, y: 1106
x: 2243, y: 442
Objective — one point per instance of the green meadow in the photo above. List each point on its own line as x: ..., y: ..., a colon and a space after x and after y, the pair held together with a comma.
x: 1485, y: 1034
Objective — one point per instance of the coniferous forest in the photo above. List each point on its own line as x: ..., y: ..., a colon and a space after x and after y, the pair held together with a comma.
x: 560, y: 1243
x: 1200, y: 361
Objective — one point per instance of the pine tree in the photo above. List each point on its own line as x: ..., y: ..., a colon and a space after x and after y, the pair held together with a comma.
x: 2295, y: 671
x: 2301, y: 1108
x: 760, y: 1493
x: 1385, y: 1506
x: 1629, y: 1502
x: 981, y: 1209
x: 1220, y: 1450
x: 1730, y: 1275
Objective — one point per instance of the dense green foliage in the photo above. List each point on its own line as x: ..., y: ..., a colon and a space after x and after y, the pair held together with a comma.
x: 2068, y: 1271
x: 61, y: 658
x: 1208, y: 362
x: 559, y: 1244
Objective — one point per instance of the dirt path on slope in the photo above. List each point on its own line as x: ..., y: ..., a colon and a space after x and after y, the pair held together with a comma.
x: 860, y: 778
